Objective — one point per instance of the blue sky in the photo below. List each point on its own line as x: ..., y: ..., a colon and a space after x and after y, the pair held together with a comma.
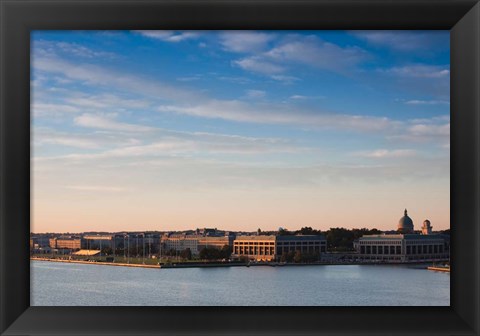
x: 290, y: 127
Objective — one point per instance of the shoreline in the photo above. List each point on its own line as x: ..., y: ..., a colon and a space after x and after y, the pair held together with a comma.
x: 95, y: 263
x: 206, y: 265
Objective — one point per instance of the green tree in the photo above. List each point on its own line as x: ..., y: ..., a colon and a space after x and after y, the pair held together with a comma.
x: 226, y: 251
x: 186, y: 254
x: 107, y: 250
x: 298, y: 256
x: 307, y: 230
x: 210, y: 253
x: 285, y: 232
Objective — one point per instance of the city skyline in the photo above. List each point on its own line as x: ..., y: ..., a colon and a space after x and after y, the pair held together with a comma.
x: 172, y: 130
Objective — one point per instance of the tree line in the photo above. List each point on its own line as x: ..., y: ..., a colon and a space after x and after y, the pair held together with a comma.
x: 338, y: 239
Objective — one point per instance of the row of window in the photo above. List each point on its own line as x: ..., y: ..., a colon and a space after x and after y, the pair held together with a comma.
x: 253, y: 243
x: 399, y: 242
x: 251, y: 250
x: 416, y: 249
x: 302, y: 243
x: 380, y: 249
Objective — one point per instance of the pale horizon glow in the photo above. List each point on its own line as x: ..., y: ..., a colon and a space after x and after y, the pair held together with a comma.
x: 172, y: 130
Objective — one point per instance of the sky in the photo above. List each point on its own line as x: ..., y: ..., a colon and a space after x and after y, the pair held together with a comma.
x: 239, y: 130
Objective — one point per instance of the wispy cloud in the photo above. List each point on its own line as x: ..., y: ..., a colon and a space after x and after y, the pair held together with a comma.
x: 427, y: 102
x: 419, y: 71
x: 434, y: 130
x: 95, y: 188
x: 304, y: 50
x: 407, y: 41
x: 235, y: 110
x: 317, y: 53
x: 40, y: 109
x: 302, y: 97
x: 255, y: 94
x: 260, y: 65
x: 168, y: 35
x: 387, y: 153
x: 68, y: 140
x: 285, y: 79
x: 245, y: 41
x: 49, y: 48
x: 108, y: 123
x: 97, y: 76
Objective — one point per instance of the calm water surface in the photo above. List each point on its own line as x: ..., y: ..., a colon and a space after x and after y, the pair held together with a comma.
x: 63, y: 284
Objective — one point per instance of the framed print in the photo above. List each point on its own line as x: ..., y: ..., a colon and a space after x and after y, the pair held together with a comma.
x: 261, y: 167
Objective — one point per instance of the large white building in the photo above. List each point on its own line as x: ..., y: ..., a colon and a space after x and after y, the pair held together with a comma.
x: 269, y: 248
x: 406, y: 245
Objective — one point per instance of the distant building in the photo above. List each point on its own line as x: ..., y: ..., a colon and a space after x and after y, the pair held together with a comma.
x: 180, y: 242
x: 405, y: 245
x: 196, y: 242
x: 217, y: 242
x: 269, y: 248
x: 405, y: 224
x: 426, y: 228
x: 98, y: 242
x: 255, y: 247
x: 66, y: 242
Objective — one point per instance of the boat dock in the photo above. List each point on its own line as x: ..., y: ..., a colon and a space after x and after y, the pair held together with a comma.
x: 439, y: 268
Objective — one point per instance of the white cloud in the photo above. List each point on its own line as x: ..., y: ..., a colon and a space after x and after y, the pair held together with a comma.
x: 108, y: 123
x: 406, y: 41
x: 285, y: 79
x: 40, y: 109
x: 435, y: 130
x: 99, y: 76
x: 168, y: 35
x: 419, y: 71
x: 65, y: 140
x: 255, y: 94
x: 235, y: 110
x: 319, y: 54
x: 256, y: 64
x: 425, y: 130
x: 306, y: 50
x: 245, y: 41
x: 388, y: 153
x: 105, y: 101
x: 49, y: 48
x: 302, y: 97
x: 427, y: 102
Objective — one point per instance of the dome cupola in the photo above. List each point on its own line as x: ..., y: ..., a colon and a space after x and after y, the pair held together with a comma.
x: 405, y: 224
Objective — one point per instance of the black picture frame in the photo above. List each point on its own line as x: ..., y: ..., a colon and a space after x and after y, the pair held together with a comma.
x: 19, y: 17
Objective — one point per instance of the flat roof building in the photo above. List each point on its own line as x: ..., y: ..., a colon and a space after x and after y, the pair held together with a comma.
x: 63, y: 242
x: 270, y: 248
x: 404, y: 247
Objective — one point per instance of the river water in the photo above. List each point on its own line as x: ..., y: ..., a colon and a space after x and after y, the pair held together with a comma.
x: 63, y: 284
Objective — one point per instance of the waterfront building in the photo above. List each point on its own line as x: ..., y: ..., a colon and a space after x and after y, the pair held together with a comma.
x: 196, y: 242
x: 405, y: 245
x: 66, y: 242
x: 98, y: 242
x: 180, y: 242
x: 215, y: 241
x: 270, y: 248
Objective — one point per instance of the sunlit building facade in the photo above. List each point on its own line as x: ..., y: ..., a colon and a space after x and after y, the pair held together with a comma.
x: 406, y: 245
x: 270, y: 248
